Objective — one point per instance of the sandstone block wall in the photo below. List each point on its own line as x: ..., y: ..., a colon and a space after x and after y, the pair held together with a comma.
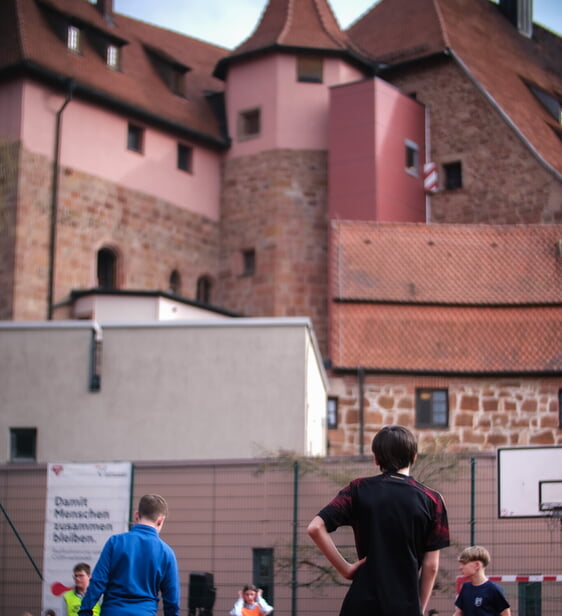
x: 484, y: 414
x: 503, y: 182
x: 150, y: 236
x: 275, y: 203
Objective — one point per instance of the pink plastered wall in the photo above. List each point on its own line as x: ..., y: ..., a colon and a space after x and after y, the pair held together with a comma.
x: 294, y: 115
x: 371, y: 122
x: 94, y: 140
x: 10, y: 111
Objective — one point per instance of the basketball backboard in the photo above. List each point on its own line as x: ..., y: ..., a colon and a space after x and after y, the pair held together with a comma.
x: 529, y: 481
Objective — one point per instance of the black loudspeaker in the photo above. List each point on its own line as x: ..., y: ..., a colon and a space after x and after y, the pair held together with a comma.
x: 201, y: 591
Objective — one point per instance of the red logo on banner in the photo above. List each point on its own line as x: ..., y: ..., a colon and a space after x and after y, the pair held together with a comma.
x: 57, y: 469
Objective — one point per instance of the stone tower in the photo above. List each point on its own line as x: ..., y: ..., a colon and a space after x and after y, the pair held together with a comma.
x: 273, y: 253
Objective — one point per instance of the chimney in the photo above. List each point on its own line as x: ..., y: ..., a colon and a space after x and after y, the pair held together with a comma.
x: 520, y: 14
x: 105, y: 7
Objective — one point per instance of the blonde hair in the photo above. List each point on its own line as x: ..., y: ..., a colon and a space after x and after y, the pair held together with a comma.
x: 473, y: 553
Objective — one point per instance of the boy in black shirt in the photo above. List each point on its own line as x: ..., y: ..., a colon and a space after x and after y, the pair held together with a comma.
x: 399, y: 527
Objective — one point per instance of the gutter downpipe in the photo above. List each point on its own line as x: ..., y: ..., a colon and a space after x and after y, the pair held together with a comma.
x: 427, y: 160
x: 504, y: 116
x: 361, y: 379
x: 54, y: 200
x: 96, y: 357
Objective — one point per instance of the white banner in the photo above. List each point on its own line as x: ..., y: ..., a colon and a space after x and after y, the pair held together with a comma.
x: 86, y: 504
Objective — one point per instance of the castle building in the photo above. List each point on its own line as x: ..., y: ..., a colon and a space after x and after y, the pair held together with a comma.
x: 399, y: 181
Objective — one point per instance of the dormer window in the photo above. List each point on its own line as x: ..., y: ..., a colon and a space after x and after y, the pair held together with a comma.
x: 550, y: 102
x: 73, y: 38
x: 169, y: 69
x: 113, y: 56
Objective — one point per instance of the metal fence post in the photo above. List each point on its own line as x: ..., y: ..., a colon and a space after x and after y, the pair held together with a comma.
x: 294, y: 580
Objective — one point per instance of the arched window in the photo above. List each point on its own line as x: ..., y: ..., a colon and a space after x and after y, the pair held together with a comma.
x: 107, y: 269
x: 204, y: 285
x: 175, y: 283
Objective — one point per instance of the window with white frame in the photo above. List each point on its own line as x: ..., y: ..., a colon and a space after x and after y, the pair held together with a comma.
x: 113, y: 56
x: 432, y: 408
x: 412, y: 158
x: 73, y: 38
x: 332, y: 413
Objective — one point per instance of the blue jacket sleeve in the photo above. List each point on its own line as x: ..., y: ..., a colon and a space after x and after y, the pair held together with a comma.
x: 98, y: 581
x: 170, y: 587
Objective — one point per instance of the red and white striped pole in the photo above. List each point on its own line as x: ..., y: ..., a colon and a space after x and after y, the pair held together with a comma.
x: 513, y: 578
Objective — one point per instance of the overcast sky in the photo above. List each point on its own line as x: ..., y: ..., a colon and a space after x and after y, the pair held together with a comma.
x: 229, y: 22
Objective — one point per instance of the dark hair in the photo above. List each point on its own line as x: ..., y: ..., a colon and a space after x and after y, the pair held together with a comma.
x: 152, y: 506
x: 395, y: 447
x: 85, y: 567
x: 250, y: 587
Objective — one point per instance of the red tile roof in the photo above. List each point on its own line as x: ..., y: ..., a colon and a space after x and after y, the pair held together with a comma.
x: 295, y: 24
x: 438, y: 339
x: 449, y: 299
x: 29, y: 43
x: 484, y: 42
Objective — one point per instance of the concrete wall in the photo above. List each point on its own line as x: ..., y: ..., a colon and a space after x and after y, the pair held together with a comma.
x: 187, y: 390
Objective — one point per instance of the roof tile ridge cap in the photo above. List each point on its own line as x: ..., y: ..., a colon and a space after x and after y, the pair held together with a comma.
x: 437, y: 7
x: 327, y: 30
x: 288, y: 20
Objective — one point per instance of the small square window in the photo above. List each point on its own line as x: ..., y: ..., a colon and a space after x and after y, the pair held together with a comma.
x: 23, y: 444
x: 412, y: 158
x: 453, y: 175
x: 432, y: 408
x: 73, y: 38
x: 332, y: 413
x: 248, y: 262
x: 113, y: 56
x: 135, y: 138
x: 185, y: 158
x: 249, y: 124
x: 310, y: 69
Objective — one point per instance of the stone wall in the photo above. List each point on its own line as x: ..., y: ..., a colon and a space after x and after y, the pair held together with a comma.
x: 503, y: 182
x: 9, y: 154
x: 150, y: 236
x: 275, y: 203
x: 484, y: 414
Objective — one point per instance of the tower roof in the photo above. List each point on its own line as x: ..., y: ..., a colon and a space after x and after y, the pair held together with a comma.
x: 303, y: 25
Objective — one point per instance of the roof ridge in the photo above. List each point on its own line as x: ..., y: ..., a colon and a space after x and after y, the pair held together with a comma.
x: 20, y: 28
x: 335, y: 21
x: 286, y: 27
x: 441, y: 20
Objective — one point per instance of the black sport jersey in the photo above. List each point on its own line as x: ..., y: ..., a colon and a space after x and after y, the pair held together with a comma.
x: 395, y: 521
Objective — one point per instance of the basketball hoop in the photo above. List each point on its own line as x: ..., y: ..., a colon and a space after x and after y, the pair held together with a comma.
x: 553, y: 515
